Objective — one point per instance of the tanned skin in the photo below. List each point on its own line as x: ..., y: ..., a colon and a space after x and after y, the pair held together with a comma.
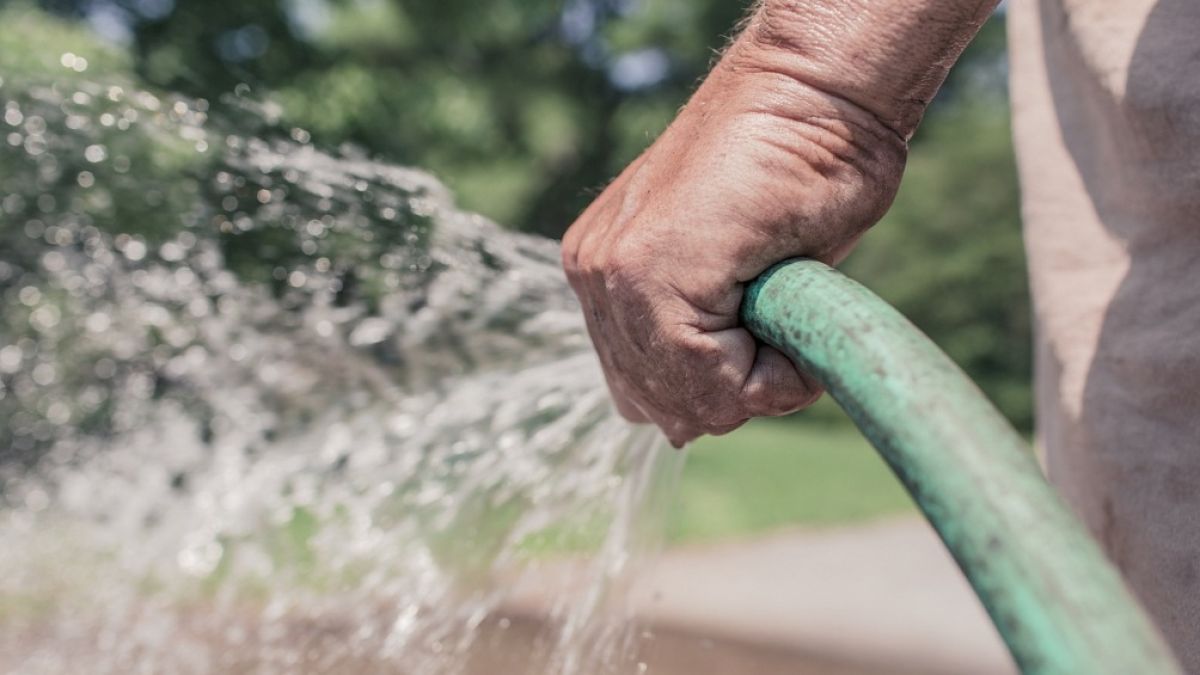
x: 793, y: 145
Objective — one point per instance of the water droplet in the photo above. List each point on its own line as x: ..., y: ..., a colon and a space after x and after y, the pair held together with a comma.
x: 10, y: 359
x: 200, y: 555
x: 44, y: 374
x: 97, y: 322
x: 105, y: 368
x: 35, y: 124
x: 45, y: 318
x: 58, y: 413
x: 171, y: 252
x: 35, y: 145
x: 85, y: 179
x: 135, y: 250
x: 29, y: 296
x: 95, y: 153
x: 37, y: 499
x: 54, y: 261
x: 370, y: 331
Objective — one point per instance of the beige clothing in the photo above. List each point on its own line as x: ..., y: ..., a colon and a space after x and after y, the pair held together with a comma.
x: 1106, y: 100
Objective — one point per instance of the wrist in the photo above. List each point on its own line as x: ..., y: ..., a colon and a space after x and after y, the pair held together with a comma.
x: 803, y: 172
x: 887, y: 58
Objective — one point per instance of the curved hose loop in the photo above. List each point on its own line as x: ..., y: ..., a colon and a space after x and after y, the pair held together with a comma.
x: 1057, y: 602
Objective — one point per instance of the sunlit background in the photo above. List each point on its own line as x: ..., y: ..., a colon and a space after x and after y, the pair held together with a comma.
x: 524, y: 109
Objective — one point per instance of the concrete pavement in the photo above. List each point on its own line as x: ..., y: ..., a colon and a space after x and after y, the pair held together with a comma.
x: 883, y: 597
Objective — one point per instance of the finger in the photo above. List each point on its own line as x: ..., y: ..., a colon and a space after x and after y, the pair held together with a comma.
x: 618, y: 391
x: 774, y: 386
x: 722, y: 430
x: 625, y: 405
x: 839, y: 252
x: 679, y: 435
x: 628, y: 409
x: 679, y: 432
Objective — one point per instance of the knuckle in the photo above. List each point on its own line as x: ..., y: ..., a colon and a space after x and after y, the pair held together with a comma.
x: 702, y: 411
x: 701, y: 353
x: 629, y: 414
x: 711, y: 411
x: 570, y: 253
x: 767, y: 400
x: 810, y: 396
x: 624, y: 261
x: 721, y: 430
x: 773, y: 403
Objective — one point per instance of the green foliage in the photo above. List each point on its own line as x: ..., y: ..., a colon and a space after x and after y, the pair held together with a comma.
x: 107, y: 181
x: 520, y: 106
x: 511, y: 101
x: 35, y: 46
x: 771, y: 474
x: 949, y: 254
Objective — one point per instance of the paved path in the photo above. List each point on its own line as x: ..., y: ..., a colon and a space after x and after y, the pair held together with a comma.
x: 885, y: 596
x: 885, y: 593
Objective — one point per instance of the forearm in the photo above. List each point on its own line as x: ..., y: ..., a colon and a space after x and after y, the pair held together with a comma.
x: 888, y: 57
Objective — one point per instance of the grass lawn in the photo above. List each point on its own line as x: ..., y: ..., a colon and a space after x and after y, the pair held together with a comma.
x: 776, y: 473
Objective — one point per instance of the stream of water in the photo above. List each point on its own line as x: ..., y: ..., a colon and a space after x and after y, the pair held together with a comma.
x: 269, y: 408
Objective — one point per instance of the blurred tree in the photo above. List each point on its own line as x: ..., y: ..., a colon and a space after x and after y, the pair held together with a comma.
x: 523, y: 106
x: 949, y: 254
x: 527, y: 107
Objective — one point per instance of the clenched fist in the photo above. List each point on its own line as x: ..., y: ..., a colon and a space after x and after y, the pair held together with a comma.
x: 793, y: 146
x: 757, y: 168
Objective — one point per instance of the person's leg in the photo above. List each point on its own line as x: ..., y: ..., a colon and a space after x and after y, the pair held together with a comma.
x: 1106, y: 101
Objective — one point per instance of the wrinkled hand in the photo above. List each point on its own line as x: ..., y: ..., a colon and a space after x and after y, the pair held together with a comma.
x: 757, y: 168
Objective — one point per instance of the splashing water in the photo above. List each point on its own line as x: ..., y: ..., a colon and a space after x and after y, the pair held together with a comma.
x: 265, y: 408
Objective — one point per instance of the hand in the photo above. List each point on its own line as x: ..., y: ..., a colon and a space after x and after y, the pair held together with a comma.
x: 757, y: 168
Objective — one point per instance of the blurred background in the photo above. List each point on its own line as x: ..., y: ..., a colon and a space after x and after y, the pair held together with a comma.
x: 526, y: 108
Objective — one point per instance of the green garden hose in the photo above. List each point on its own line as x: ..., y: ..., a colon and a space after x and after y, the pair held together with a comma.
x: 1057, y: 602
